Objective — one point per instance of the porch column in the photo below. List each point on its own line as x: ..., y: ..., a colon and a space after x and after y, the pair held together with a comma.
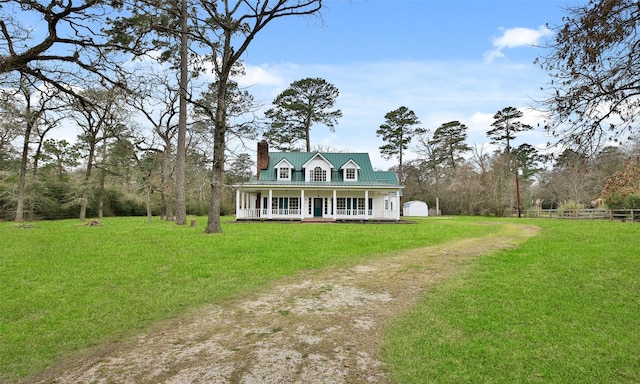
x: 269, y: 203
x: 366, y: 204
x: 237, y: 204
x: 302, y: 206
x: 335, y: 205
x: 397, y: 206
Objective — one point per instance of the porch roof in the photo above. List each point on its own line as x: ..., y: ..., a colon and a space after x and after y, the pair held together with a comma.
x: 315, y: 185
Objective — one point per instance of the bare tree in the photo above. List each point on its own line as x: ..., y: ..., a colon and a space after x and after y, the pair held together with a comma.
x: 60, y: 45
x: 98, y: 121
x: 49, y: 122
x: 30, y: 108
x: 157, y: 101
x: 228, y: 30
x: 594, y: 64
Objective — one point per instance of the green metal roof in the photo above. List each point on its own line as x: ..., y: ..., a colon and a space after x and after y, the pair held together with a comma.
x: 366, y: 175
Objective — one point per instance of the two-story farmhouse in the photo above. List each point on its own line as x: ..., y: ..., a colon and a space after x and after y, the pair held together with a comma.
x: 317, y: 185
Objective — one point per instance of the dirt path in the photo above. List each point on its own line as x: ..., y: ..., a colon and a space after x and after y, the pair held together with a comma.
x: 317, y: 327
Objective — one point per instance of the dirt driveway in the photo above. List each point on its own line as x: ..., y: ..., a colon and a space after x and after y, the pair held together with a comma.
x: 317, y: 327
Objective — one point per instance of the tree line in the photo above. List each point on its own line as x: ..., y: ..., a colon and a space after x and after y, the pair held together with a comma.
x: 163, y: 142
x: 77, y: 47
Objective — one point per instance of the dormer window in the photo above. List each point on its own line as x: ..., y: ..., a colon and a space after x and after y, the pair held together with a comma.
x: 283, y: 170
x: 318, y: 174
x: 350, y: 171
x: 317, y: 169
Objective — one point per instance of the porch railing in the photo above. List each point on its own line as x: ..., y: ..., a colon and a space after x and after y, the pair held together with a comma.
x: 264, y: 213
x: 341, y: 214
x: 352, y: 212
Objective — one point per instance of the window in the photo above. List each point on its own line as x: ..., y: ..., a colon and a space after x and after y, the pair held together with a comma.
x: 341, y: 203
x: 285, y: 205
x: 280, y: 203
x: 350, y: 174
x: 283, y: 174
x: 318, y: 174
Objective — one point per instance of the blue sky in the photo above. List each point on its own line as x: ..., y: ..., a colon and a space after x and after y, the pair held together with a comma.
x: 445, y: 60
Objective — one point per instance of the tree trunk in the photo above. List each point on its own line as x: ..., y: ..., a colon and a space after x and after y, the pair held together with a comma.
x: 103, y: 177
x: 217, y: 182
x: 34, y: 175
x: 307, y: 133
x: 220, y: 128
x: 217, y: 177
x: 163, y: 206
x: 22, y: 182
x: 147, y: 195
x: 400, y: 177
x: 181, y: 205
x: 85, y: 186
x: 168, y: 183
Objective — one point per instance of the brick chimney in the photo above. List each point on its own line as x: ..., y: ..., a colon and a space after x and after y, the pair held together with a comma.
x: 263, y: 156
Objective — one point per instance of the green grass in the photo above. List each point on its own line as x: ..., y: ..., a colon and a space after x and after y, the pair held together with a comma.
x: 65, y: 287
x: 564, y: 307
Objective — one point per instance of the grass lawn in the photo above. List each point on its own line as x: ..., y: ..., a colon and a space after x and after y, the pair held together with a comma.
x: 65, y: 287
x: 564, y: 307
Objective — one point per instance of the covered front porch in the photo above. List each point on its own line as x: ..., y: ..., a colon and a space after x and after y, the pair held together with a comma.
x: 335, y: 204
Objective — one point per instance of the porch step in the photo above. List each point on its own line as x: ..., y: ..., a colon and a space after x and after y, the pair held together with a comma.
x: 318, y: 220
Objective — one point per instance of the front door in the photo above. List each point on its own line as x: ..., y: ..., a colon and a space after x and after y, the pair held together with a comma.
x: 317, y: 207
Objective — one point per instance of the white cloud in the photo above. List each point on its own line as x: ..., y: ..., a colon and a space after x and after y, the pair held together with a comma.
x: 260, y: 75
x: 516, y: 37
x: 481, y: 122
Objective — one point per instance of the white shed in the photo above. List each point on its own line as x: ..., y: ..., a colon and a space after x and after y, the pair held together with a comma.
x: 415, y: 208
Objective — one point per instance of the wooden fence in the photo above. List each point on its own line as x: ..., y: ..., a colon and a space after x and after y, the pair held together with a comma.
x: 593, y: 214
